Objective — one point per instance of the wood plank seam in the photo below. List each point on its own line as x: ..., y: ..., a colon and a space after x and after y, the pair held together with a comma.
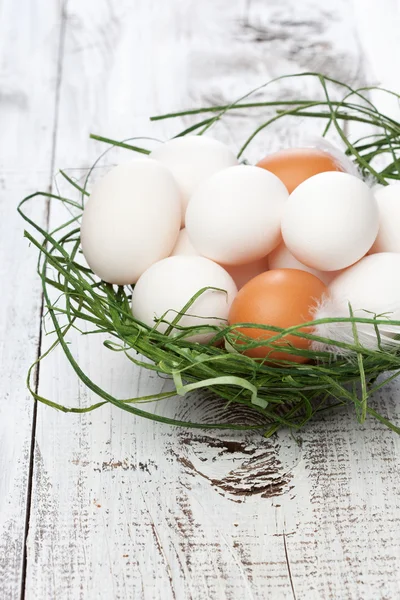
x: 288, y: 566
x: 60, y: 57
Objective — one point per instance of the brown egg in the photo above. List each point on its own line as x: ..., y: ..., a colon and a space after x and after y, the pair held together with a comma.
x: 281, y: 298
x: 295, y: 165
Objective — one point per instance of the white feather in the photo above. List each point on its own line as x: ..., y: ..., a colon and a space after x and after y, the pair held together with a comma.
x: 369, y: 336
x: 340, y: 157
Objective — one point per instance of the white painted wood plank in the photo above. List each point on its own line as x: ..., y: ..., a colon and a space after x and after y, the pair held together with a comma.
x: 124, y: 508
x: 29, y: 33
x: 379, y: 36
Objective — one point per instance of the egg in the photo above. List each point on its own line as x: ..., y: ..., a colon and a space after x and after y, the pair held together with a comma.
x: 131, y: 220
x: 281, y: 298
x: 295, y: 165
x: 234, y: 217
x: 241, y: 274
x: 192, y: 159
x: 281, y: 258
x: 388, y: 199
x: 330, y: 221
x: 167, y: 286
x: 183, y: 246
x: 372, y: 287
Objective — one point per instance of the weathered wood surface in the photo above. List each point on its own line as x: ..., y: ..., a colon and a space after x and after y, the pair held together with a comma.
x: 123, y: 508
x: 29, y: 39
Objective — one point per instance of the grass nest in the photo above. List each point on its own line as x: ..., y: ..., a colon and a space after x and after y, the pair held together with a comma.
x: 287, y: 395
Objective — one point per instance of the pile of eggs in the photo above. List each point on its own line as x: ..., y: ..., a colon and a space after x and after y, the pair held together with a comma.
x: 300, y: 236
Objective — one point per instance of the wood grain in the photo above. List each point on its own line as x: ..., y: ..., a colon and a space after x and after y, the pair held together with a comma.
x: 123, y: 508
x: 29, y: 37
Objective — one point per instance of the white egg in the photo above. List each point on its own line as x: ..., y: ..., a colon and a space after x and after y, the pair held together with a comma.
x: 235, y: 216
x: 167, y: 286
x: 183, y: 246
x: 282, y: 258
x: 372, y: 287
x: 241, y: 274
x: 388, y: 199
x: 372, y: 284
x: 131, y: 220
x: 192, y: 159
x: 330, y: 221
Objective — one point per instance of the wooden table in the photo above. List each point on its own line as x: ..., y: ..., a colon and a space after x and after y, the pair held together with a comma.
x: 104, y: 506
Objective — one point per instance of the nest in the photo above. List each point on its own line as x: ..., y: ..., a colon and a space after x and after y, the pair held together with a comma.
x: 284, y: 395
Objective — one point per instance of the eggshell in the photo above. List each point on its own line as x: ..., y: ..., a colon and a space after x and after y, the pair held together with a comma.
x: 280, y: 298
x: 344, y: 161
x: 183, y: 246
x: 168, y: 285
x: 330, y: 221
x: 295, y: 165
x: 241, y: 274
x: 372, y: 284
x: 234, y: 217
x: 372, y: 287
x: 130, y: 221
x: 281, y: 258
x: 388, y: 199
x: 192, y: 159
